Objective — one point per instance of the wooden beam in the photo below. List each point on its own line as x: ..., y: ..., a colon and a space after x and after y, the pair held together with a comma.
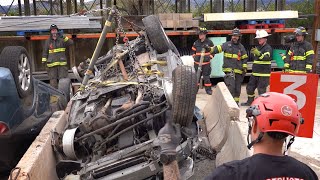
x: 218, y: 6
x: 316, y: 25
x: 169, y: 33
x: 72, y: 54
x: 34, y: 7
x: 69, y: 7
x: 30, y: 49
x: 75, y: 6
x: 250, y: 6
x: 20, y: 7
x: 51, y: 7
x: 26, y: 8
x: 61, y: 7
x: 280, y: 5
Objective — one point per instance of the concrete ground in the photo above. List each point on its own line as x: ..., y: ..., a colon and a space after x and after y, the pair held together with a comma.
x: 306, y: 150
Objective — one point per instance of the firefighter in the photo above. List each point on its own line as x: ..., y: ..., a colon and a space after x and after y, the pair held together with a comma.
x: 261, y: 67
x: 290, y: 39
x: 300, y: 56
x: 272, y: 117
x: 54, y: 55
x: 234, y: 63
x: 196, y: 49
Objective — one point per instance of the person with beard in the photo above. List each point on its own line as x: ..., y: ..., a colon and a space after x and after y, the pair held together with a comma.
x: 234, y: 63
x: 54, y: 55
x: 261, y: 67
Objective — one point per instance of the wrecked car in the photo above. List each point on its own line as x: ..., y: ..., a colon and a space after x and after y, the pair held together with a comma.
x: 114, y: 119
x: 26, y: 104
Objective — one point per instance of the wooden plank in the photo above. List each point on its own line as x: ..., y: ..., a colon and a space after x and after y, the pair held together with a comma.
x: 185, y: 16
x: 189, y: 23
x: 175, y: 16
x: 171, y: 23
x: 164, y: 23
x: 195, y: 23
x: 182, y: 24
x: 168, y: 16
x: 165, y: 16
x: 235, y: 16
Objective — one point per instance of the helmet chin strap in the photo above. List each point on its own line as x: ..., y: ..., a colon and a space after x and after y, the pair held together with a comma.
x: 250, y: 144
x: 288, y: 146
x: 255, y: 141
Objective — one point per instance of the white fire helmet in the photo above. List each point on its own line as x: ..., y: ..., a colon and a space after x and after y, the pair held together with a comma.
x: 261, y: 34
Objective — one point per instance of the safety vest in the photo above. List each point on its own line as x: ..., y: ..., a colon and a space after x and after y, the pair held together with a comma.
x: 54, y: 51
x: 262, y: 64
x: 196, y: 51
x: 235, y: 57
x: 299, y: 58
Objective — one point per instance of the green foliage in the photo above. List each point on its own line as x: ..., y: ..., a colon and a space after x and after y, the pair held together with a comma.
x: 201, y: 9
x: 303, y: 7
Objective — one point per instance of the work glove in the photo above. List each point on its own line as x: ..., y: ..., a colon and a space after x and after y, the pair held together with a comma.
x: 255, y: 51
x: 169, y: 137
x: 286, y: 65
x: 207, y: 47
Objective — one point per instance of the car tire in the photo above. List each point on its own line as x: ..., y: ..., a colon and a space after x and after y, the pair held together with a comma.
x: 184, y: 94
x: 65, y: 86
x: 157, y: 36
x: 17, y: 60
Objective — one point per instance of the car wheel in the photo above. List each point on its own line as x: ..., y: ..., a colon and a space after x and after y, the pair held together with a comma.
x: 65, y: 86
x: 184, y: 94
x: 18, y: 61
x: 156, y: 34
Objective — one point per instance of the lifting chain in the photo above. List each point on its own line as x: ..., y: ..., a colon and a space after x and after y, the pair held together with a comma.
x: 146, y: 86
x: 134, y: 61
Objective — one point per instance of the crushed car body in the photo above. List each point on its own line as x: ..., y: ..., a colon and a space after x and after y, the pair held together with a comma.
x: 112, y: 128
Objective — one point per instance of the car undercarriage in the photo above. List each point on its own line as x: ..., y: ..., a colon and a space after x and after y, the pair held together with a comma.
x: 114, y: 119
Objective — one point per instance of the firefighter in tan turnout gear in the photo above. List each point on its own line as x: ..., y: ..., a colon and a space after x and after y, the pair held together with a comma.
x: 261, y: 67
x: 206, y: 68
x: 54, y: 55
x: 234, y: 63
x: 300, y: 55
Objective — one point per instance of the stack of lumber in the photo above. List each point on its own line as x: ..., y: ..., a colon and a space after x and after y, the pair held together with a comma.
x: 178, y: 21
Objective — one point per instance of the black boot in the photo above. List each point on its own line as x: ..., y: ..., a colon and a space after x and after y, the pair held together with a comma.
x: 208, y: 91
x: 248, y: 103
